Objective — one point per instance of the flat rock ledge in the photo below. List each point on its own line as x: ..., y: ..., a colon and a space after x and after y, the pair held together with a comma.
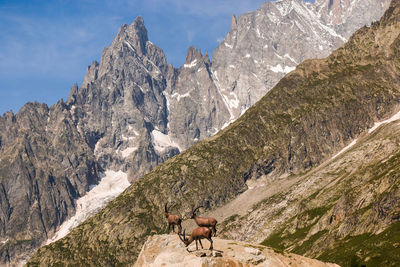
x: 168, y: 250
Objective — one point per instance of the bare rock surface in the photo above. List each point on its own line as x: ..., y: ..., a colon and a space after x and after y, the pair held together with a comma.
x: 168, y: 250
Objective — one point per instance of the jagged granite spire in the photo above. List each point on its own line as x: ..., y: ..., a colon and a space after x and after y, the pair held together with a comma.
x: 192, y: 54
x: 135, y: 34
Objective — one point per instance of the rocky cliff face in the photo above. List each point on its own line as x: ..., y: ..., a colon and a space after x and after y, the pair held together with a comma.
x: 309, y: 116
x: 168, y: 250
x: 346, y: 16
x: 45, y: 164
x: 196, y: 107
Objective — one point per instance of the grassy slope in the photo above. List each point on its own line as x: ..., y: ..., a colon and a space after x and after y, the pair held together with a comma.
x: 301, y: 122
x: 353, y: 220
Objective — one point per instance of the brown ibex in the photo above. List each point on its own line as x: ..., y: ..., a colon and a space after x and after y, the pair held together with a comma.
x: 173, y: 219
x: 204, y: 221
x: 197, y: 234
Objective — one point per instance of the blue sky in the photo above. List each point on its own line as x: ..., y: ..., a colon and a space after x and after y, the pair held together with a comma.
x: 45, y: 46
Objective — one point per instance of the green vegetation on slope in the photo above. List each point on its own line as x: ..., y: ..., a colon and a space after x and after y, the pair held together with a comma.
x: 367, y: 250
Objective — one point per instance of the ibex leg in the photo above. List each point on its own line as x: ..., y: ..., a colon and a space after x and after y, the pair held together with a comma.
x: 211, y: 246
x: 201, y: 244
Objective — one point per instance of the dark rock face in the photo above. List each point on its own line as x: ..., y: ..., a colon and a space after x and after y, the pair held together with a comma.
x: 45, y: 164
x: 133, y: 112
x: 196, y: 107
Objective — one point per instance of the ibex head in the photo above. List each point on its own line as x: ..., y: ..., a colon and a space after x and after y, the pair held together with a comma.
x: 194, y: 211
x: 183, y: 238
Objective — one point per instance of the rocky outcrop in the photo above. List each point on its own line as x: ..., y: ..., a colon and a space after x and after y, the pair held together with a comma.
x: 307, y: 118
x: 168, y: 250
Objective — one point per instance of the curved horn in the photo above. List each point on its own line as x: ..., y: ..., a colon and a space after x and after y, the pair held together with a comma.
x: 180, y: 237
x: 166, y: 208
x: 193, y: 211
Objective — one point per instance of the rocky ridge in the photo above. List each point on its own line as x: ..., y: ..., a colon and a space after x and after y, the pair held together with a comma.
x: 168, y: 250
x: 309, y: 116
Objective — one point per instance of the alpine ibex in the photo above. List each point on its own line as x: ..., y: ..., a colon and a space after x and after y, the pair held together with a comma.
x: 197, y: 234
x: 173, y: 219
x: 204, y: 221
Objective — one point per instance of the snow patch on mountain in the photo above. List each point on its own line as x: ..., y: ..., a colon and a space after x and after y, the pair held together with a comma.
x: 228, y: 45
x: 179, y: 96
x: 127, y: 151
x: 279, y: 68
x: 376, y: 125
x: 110, y: 186
x: 191, y: 64
x: 162, y: 141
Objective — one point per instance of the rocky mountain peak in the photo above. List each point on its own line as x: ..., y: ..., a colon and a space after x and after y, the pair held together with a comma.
x: 135, y: 34
x: 91, y: 74
x: 193, y: 54
x: 73, y: 92
x: 234, y: 22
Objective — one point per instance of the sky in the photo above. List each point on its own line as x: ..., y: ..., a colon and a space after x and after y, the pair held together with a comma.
x: 46, y: 46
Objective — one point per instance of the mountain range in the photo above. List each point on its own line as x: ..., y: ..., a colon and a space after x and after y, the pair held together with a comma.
x: 134, y: 111
x: 320, y: 150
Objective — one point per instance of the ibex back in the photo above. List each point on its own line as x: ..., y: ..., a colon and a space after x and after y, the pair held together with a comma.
x: 205, y: 221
